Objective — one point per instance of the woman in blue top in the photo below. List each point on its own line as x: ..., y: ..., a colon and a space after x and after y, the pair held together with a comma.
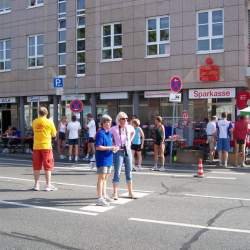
x: 137, y: 145
x: 104, y: 159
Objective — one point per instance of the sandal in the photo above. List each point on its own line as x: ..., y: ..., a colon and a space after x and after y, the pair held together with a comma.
x: 115, y: 197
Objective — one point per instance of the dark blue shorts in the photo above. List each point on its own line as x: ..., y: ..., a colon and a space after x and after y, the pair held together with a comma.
x: 223, y: 144
x: 73, y: 141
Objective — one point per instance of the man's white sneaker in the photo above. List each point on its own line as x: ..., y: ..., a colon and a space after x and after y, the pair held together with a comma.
x: 102, y: 202
x: 36, y: 188
x: 51, y: 188
x: 154, y: 168
x: 62, y: 157
x: 162, y: 169
x: 92, y: 158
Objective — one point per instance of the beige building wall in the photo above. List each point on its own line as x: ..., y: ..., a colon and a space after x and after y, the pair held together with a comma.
x: 135, y: 71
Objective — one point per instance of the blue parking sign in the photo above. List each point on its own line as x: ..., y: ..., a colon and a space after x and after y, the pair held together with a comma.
x: 58, y: 82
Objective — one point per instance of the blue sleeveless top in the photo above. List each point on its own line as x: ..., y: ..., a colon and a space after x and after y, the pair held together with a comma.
x: 137, y: 137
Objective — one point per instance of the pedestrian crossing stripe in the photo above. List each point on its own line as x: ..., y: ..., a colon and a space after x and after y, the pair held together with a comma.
x: 123, y: 199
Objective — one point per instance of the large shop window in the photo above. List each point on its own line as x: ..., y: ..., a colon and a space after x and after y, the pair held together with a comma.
x: 35, y: 51
x: 210, y: 31
x: 158, y: 36
x: 112, y: 42
x: 5, y: 55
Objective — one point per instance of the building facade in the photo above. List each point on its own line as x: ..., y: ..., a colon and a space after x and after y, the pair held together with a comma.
x: 120, y: 56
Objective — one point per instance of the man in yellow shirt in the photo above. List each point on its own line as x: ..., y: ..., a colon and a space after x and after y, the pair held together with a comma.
x: 43, y: 129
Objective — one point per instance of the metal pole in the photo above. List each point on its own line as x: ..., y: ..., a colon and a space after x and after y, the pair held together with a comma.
x: 172, y: 133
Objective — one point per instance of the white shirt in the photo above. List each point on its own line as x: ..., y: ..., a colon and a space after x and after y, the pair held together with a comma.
x: 211, y: 128
x: 92, y: 128
x: 73, y: 128
x: 223, y: 126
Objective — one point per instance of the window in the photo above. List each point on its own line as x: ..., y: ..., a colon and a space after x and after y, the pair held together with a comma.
x: 158, y: 36
x: 80, y: 38
x: 210, y: 31
x: 5, y: 55
x: 35, y: 51
x: 62, y: 9
x: 5, y: 6
x: 112, y: 41
x: 34, y: 3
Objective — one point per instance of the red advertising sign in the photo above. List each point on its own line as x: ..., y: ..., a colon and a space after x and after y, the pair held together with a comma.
x: 76, y: 106
x: 209, y: 71
x: 242, y: 99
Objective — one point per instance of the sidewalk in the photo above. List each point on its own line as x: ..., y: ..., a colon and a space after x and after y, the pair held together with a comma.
x: 147, y: 162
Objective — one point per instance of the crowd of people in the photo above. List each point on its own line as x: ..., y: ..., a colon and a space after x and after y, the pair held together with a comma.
x: 121, y: 145
x: 222, y: 134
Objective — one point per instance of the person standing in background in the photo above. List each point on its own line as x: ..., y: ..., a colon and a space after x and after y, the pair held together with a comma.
x: 73, y: 131
x: 240, y: 136
x: 137, y: 144
x: 211, y: 137
x: 91, y: 126
x: 159, y: 144
x: 44, y: 130
x: 61, y: 137
x: 224, y: 128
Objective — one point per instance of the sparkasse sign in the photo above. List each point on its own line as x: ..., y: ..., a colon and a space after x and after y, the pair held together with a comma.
x: 211, y: 93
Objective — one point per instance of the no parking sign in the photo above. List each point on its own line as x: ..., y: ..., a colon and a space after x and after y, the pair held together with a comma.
x: 76, y: 106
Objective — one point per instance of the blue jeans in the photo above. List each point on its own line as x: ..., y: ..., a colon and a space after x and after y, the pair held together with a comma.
x: 120, y: 158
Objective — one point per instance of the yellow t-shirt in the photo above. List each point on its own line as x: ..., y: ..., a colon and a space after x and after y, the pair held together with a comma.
x: 44, y: 129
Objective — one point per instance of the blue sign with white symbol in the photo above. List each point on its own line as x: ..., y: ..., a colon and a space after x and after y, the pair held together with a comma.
x: 58, y: 82
x: 175, y: 84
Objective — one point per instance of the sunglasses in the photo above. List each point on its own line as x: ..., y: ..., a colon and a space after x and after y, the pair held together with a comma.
x: 123, y: 119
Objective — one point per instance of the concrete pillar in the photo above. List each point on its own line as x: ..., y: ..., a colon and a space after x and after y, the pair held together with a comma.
x: 187, y: 131
x: 136, y: 103
x: 93, y: 104
x: 21, y: 115
x: 55, y: 110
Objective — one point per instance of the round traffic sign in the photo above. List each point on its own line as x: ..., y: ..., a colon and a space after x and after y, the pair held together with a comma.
x: 76, y: 106
x: 175, y: 84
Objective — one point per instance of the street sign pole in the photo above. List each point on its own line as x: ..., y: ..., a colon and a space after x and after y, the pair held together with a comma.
x: 172, y: 135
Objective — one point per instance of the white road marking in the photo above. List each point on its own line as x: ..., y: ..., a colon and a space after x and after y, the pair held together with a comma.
x: 46, y: 208
x: 220, y: 178
x: 182, y: 175
x: 191, y: 225
x: 224, y: 172
x: 97, y: 209
x: 70, y: 184
x: 123, y: 199
x: 218, y: 197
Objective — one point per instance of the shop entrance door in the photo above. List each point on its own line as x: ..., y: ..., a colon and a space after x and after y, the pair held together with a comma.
x: 5, y: 117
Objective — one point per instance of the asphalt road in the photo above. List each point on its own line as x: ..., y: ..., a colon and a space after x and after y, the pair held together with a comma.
x: 174, y: 211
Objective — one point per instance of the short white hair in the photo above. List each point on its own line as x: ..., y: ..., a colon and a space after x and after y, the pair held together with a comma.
x: 120, y: 115
x: 104, y: 119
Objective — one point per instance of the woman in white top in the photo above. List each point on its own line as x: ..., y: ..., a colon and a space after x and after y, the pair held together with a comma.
x: 61, y: 136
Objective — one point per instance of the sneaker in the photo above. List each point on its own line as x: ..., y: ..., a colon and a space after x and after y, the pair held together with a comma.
x: 76, y: 159
x: 86, y: 158
x: 92, y: 158
x: 62, y: 157
x: 51, y: 188
x: 108, y: 199
x: 154, y: 168
x: 162, y: 169
x: 102, y: 202
x: 70, y: 158
x: 139, y: 168
x: 134, y: 169
x: 36, y: 188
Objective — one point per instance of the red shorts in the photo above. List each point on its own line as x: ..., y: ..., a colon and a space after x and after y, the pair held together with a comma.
x: 43, y: 157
